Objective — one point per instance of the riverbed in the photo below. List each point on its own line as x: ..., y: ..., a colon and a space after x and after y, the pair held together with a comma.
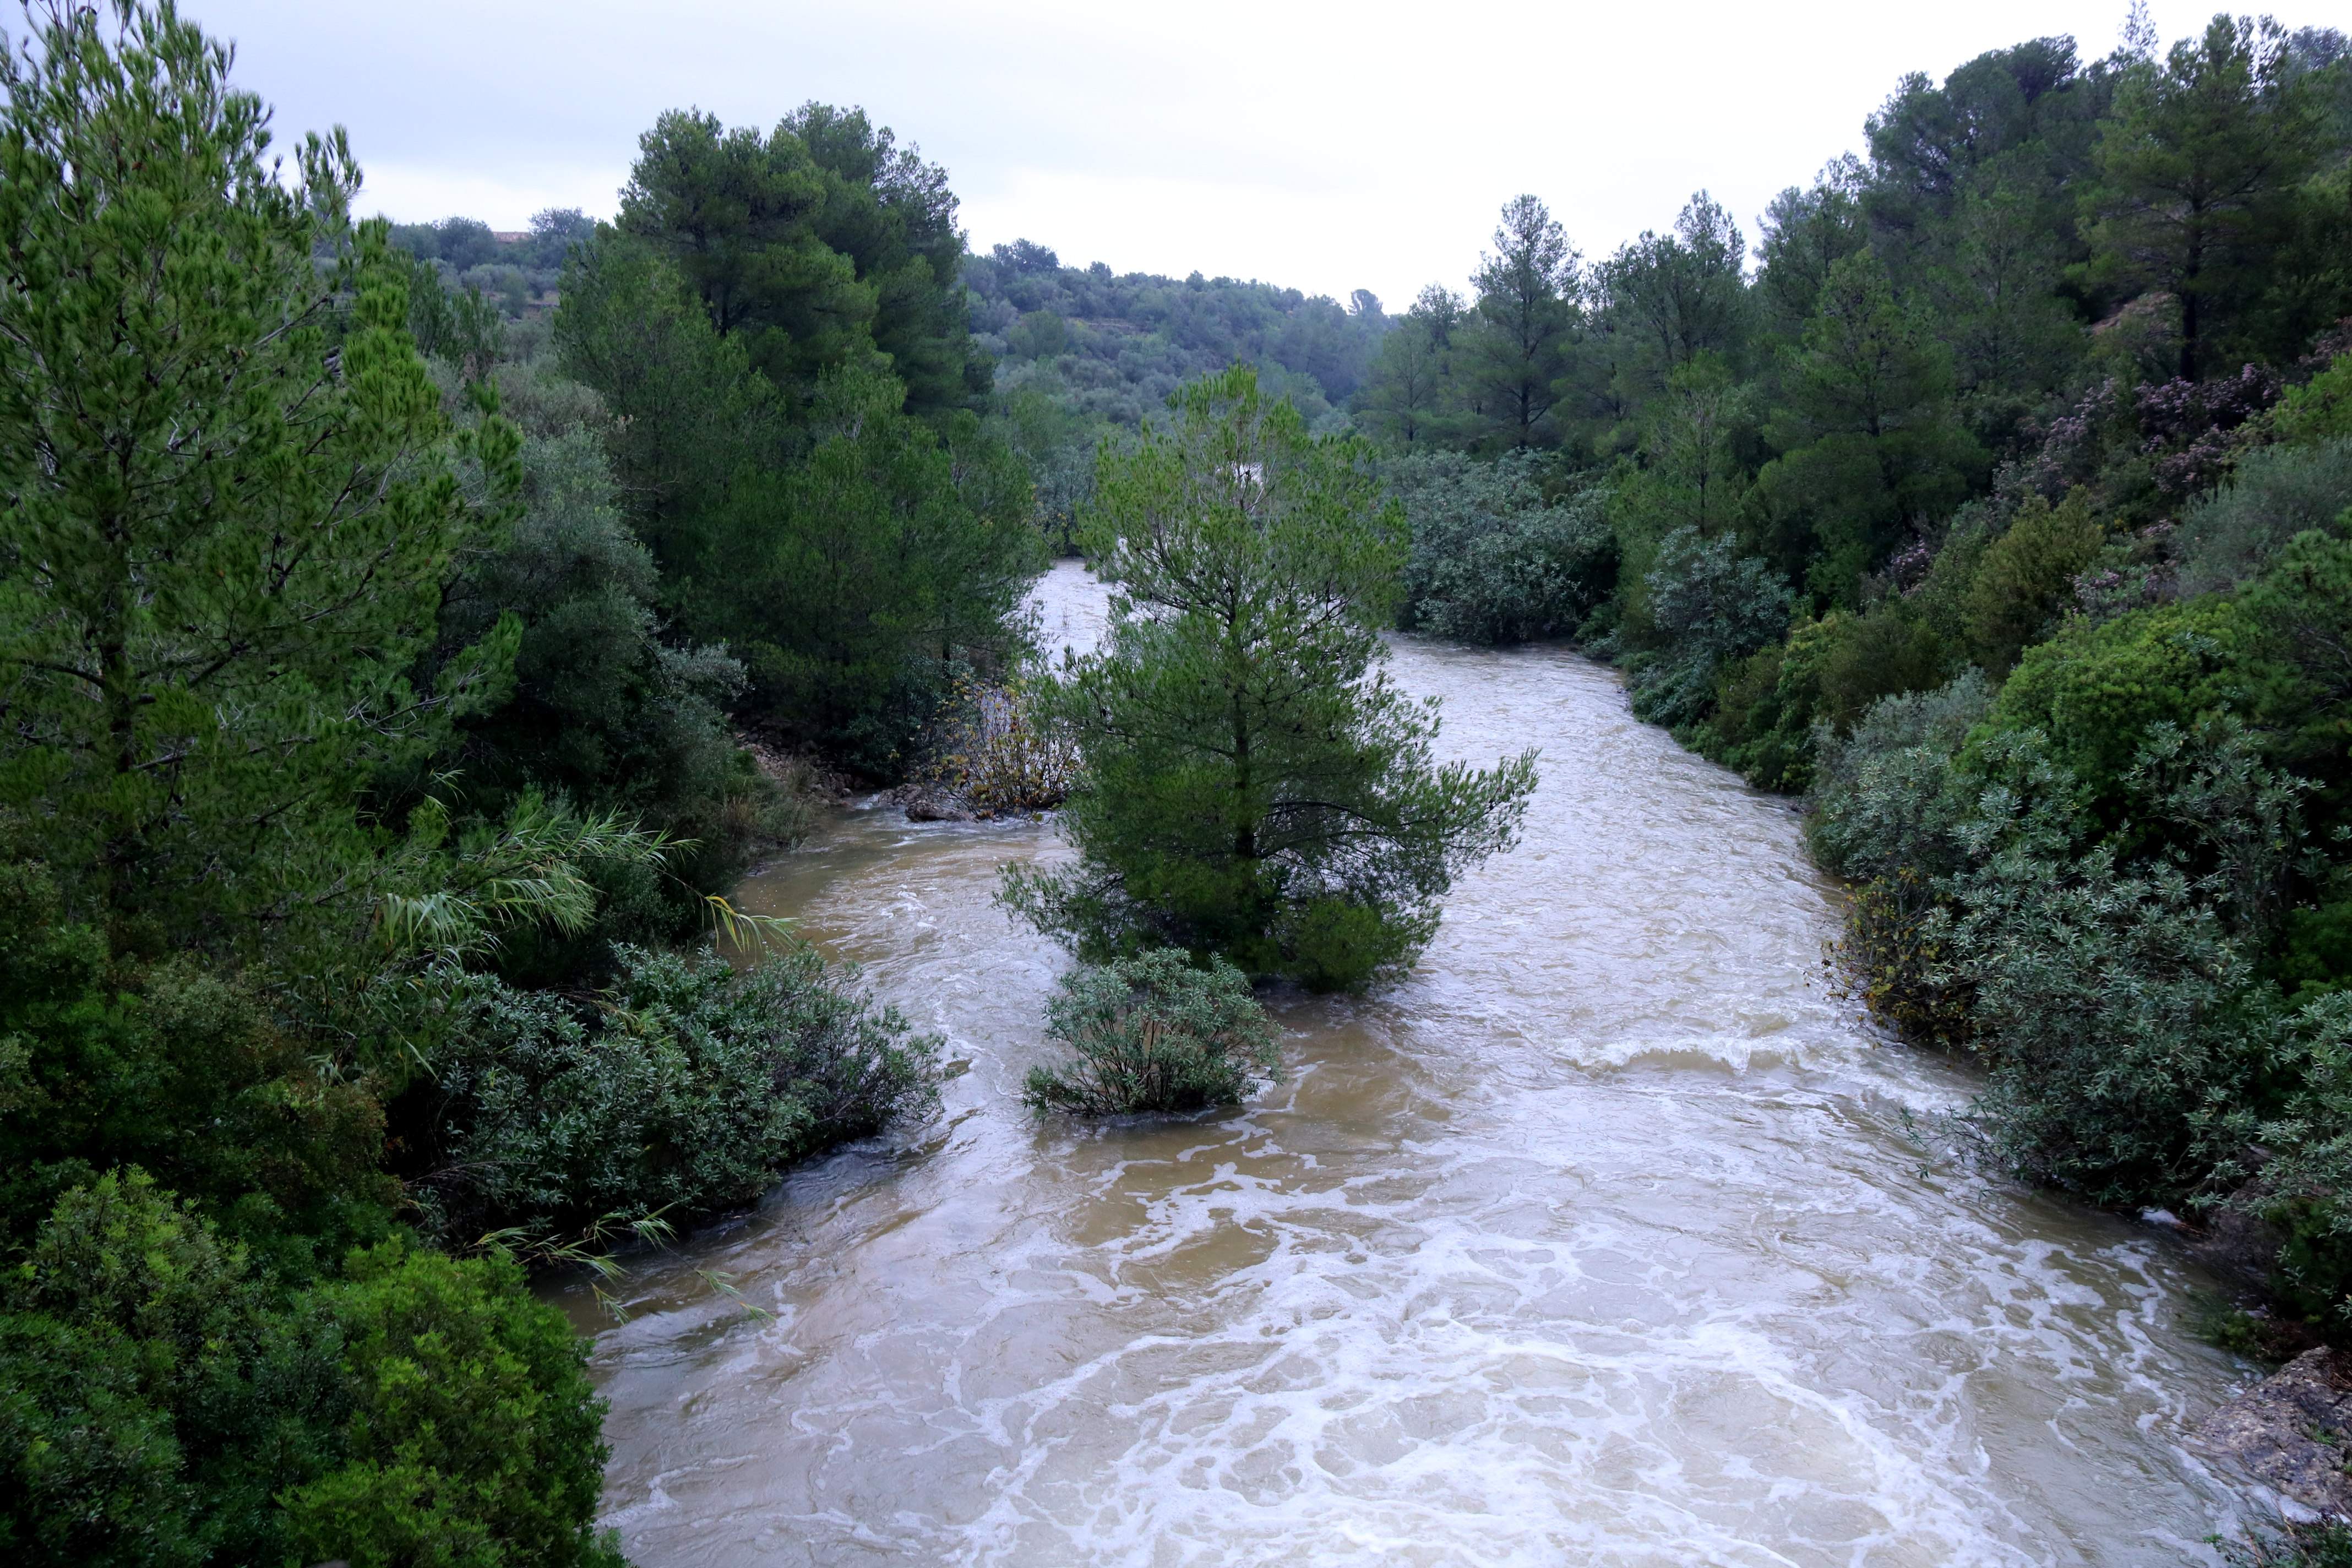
x: 1613, y: 1234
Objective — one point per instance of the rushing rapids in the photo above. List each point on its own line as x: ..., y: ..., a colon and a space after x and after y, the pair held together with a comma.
x: 1608, y: 1237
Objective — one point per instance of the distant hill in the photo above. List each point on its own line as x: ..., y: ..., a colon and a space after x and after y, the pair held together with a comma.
x: 1110, y: 347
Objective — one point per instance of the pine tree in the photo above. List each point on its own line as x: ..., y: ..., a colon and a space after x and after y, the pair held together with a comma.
x: 1516, y: 348
x: 2197, y: 174
x: 1255, y: 785
x: 226, y: 513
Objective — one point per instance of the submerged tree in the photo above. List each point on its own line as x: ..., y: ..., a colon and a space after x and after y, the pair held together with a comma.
x: 1255, y: 785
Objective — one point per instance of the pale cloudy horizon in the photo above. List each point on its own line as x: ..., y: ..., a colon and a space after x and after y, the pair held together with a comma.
x: 1322, y: 147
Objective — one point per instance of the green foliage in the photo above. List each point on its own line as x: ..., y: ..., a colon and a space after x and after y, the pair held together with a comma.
x: 1153, y: 1033
x: 856, y: 584
x: 1887, y: 795
x: 2025, y: 578
x: 1670, y: 299
x: 604, y: 711
x: 1253, y: 785
x: 685, y: 1088
x: 1515, y: 348
x: 1767, y: 706
x: 178, y: 1069
x: 2273, y: 494
x: 1805, y: 233
x: 2199, y: 172
x: 1707, y: 604
x: 854, y: 557
x: 225, y: 524
x: 2320, y: 409
x: 2094, y: 691
x: 1109, y: 349
x: 154, y: 1397
x: 1494, y: 559
x: 473, y: 1436
x: 1872, y: 446
x: 822, y: 246
x: 1409, y: 398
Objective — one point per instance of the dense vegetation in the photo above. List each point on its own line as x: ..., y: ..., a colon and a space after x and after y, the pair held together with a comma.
x: 1085, y: 357
x: 1251, y: 785
x: 1154, y: 1033
x: 387, y: 615
x: 2002, y: 506
x: 374, y: 638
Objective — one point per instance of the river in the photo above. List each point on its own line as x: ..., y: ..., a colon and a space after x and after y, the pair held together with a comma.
x: 1605, y: 1237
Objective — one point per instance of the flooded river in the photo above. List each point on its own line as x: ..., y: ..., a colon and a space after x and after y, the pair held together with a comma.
x: 1603, y: 1238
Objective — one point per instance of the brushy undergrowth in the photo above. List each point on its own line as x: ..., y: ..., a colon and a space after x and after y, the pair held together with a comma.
x: 1153, y: 1033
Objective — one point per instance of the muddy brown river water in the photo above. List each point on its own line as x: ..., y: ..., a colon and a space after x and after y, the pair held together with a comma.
x: 1603, y: 1238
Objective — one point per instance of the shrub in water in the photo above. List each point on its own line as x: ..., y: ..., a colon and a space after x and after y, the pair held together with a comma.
x: 1152, y: 1033
x: 689, y: 1088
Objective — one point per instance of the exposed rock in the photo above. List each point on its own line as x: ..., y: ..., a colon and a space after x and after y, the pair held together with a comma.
x: 2289, y: 1432
x: 929, y: 803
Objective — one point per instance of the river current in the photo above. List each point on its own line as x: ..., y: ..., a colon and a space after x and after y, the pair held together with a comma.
x: 1607, y: 1237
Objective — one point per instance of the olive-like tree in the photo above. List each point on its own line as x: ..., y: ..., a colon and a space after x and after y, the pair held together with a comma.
x: 1254, y: 785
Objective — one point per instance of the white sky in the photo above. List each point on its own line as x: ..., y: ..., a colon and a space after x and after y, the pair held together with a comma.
x: 1328, y: 147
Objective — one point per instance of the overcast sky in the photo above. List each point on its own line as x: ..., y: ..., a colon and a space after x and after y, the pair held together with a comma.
x: 1329, y: 147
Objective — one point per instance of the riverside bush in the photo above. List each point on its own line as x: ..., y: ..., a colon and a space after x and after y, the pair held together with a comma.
x: 472, y: 1435
x: 686, y: 1087
x: 1708, y: 605
x: 1492, y: 560
x: 1154, y: 1033
x: 1001, y: 751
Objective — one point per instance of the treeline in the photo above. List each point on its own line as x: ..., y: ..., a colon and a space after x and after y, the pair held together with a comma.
x: 2001, y: 505
x: 376, y: 665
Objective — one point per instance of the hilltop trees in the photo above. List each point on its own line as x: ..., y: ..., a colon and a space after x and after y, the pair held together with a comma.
x: 2198, y: 178
x: 1255, y: 787
x: 1516, y: 350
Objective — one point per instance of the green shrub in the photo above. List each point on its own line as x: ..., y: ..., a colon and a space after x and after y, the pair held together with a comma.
x: 2096, y: 690
x: 2275, y: 493
x: 153, y: 1396
x: 1889, y: 797
x: 177, y: 1069
x: 1493, y: 561
x: 1707, y: 604
x: 2026, y: 578
x: 162, y: 1404
x: 2115, y: 998
x: 1154, y: 1033
x: 474, y: 1437
x: 688, y: 1086
x: 1890, y: 649
x: 2320, y: 409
